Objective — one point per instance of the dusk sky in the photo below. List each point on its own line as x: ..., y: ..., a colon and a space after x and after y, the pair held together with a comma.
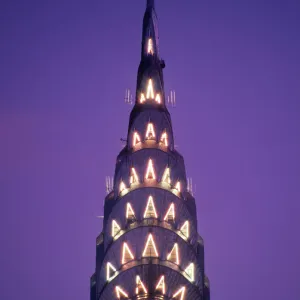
x: 64, y: 68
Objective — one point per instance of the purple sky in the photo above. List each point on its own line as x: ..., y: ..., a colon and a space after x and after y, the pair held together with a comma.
x: 65, y: 65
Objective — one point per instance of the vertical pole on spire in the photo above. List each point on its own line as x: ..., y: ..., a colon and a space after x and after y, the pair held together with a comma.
x: 150, y: 3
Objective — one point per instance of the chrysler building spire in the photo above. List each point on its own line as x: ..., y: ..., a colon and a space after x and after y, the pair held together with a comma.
x: 149, y: 247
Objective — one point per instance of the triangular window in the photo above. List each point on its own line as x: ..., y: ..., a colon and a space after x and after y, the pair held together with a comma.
x: 150, y: 46
x: 170, y: 215
x: 126, y: 254
x: 166, y: 176
x: 110, y: 271
x: 121, y: 294
x: 150, y: 90
x: 173, y: 256
x: 140, y: 287
x: 161, y: 285
x: 150, y: 248
x: 150, y: 174
x: 130, y: 212
x: 136, y: 139
x: 185, y: 230
x: 164, y: 139
x: 115, y: 228
x: 157, y: 98
x: 150, y: 133
x: 179, y: 294
x: 178, y: 186
x: 133, y: 176
x: 142, y: 99
x: 122, y: 186
x: 190, y: 271
x: 150, y: 211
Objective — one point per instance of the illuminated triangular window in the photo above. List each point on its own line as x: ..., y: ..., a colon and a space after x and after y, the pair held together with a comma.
x: 150, y: 46
x: 115, y: 228
x: 170, y: 215
x: 142, y: 99
x: 140, y: 287
x: 150, y: 91
x: 150, y: 133
x: 110, y: 271
x: 190, y: 271
x: 150, y: 248
x: 136, y: 138
x: 185, y: 230
x: 157, y: 98
x: 133, y: 176
x: 122, y: 186
x: 173, y: 256
x: 150, y: 211
x: 164, y: 139
x: 161, y: 285
x: 129, y: 212
x: 150, y: 174
x: 126, y: 254
x: 121, y: 294
x: 179, y: 294
x: 166, y: 176
x: 178, y: 186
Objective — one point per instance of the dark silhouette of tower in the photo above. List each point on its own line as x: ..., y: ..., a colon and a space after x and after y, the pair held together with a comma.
x: 149, y: 247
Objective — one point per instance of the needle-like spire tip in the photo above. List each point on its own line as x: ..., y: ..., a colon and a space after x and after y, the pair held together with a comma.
x: 150, y: 3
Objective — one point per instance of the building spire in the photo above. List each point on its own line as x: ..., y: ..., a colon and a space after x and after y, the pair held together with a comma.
x: 150, y: 4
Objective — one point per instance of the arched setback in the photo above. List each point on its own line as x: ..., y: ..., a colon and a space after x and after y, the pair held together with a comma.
x: 160, y: 122
x: 136, y: 241
x: 193, y: 241
x: 138, y: 201
x: 140, y: 162
x: 174, y: 279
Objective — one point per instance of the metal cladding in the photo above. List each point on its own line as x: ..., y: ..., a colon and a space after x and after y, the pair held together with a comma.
x: 149, y: 247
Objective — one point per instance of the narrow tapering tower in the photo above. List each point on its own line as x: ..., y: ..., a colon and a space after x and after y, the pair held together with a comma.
x: 149, y: 247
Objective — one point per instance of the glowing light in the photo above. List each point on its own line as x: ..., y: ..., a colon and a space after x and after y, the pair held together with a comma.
x: 150, y: 211
x: 139, y: 284
x: 150, y: 46
x: 170, y: 215
x: 126, y: 254
x: 142, y: 99
x: 109, y: 268
x: 122, y: 186
x: 161, y: 285
x: 129, y: 212
x: 166, y: 176
x: 121, y: 293
x: 150, y: 133
x: 178, y: 186
x: 136, y: 138
x: 134, y: 177
x: 150, y: 91
x: 173, y: 255
x: 164, y: 139
x: 150, y: 248
x: 190, y: 271
x: 185, y: 229
x: 115, y: 228
x: 150, y: 174
x: 157, y: 98
x: 180, y: 292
